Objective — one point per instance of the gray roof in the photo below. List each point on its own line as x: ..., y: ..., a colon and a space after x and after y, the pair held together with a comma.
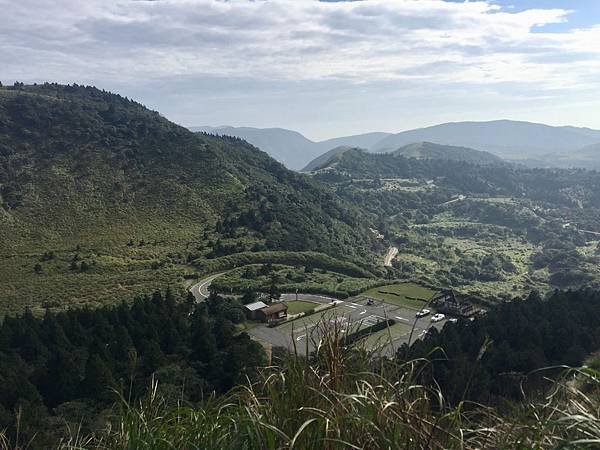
x: 256, y: 306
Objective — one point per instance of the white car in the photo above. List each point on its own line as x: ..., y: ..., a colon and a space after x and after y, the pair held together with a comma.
x: 422, y: 313
x: 453, y: 320
x: 437, y: 318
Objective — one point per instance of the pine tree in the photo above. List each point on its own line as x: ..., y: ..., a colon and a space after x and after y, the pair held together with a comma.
x: 99, y: 381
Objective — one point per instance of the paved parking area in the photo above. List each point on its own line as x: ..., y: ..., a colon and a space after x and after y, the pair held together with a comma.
x: 304, y: 334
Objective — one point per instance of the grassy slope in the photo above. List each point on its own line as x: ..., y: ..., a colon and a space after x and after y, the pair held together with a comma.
x: 288, y: 278
x: 410, y: 295
x: 82, y: 167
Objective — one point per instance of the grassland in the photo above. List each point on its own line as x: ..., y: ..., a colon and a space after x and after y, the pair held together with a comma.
x: 385, y: 337
x: 299, y: 306
x: 410, y: 295
x: 451, y: 251
x: 98, y: 273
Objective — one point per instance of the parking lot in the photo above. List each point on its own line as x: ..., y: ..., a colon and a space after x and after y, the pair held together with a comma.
x: 304, y: 334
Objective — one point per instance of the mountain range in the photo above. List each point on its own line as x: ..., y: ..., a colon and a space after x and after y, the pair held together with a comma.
x: 528, y: 143
x: 290, y: 147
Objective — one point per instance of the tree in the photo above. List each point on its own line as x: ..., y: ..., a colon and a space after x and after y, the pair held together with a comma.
x: 249, y: 297
x: 38, y: 268
x: 273, y: 290
x: 99, y: 381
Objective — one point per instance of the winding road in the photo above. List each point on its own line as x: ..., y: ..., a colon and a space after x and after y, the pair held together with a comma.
x: 200, y: 290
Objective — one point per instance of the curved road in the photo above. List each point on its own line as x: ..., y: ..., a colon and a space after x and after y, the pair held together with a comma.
x: 200, y: 290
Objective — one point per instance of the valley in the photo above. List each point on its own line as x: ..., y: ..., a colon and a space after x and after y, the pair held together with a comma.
x: 134, y: 250
x: 300, y: 225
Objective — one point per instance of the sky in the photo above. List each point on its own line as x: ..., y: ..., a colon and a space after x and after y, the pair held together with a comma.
x: 324, y: 68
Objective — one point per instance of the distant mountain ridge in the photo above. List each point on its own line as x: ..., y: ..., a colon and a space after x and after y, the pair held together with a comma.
x: 322, y: 160
x: 535, y: 143
x: 290, y: 147
x: 505, y: 138
x: 587, y: 157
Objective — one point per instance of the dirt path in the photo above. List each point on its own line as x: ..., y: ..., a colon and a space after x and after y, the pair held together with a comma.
x: 389, y: 257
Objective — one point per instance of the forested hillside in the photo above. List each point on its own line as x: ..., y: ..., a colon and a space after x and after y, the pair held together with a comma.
x: 103, y: 197
x: 498, y: 230
x: 429, y: 150
x: 495, y: 358
x: 68, y: 370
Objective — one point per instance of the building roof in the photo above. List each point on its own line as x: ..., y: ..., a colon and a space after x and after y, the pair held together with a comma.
x: 255, y: 306
x: 275, y: 308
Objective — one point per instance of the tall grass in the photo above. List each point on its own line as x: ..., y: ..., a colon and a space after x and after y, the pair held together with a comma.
x: 349, y: 399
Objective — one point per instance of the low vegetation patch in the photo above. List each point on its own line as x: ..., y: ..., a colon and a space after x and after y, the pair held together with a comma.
x: 306, y: 259
x: 402, y: 294
x: 281, y: 278
x: 299, y: 306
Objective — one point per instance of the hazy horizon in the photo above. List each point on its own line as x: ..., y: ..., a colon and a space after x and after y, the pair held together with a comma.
x: 306, y: 135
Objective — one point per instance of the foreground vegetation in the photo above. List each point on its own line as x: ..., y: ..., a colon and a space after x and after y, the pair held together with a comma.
x: 167, y: 374
x: 487, y: 360
x: 344, y: 401
x: 66, y: 370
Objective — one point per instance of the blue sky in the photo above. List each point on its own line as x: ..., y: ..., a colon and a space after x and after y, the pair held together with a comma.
x: 586, y: 13
x: 322, y: 68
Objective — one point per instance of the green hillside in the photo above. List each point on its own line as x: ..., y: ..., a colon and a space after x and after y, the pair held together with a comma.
x: 429, y: 150
x: 491, y: 230
x: 326, y: 158
x: 101, y: 197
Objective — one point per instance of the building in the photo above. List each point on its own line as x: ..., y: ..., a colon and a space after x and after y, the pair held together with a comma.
x: 450, y: 303
x: 276, y: 311
x: 252, y: 309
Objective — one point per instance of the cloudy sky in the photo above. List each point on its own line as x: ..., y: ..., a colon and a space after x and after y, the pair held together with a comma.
x: 324, y: 68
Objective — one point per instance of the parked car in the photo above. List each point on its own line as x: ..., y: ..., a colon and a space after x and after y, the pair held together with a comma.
x: 370, y: 302
x: 422, y: 313
x: 453, y: 320
x: 437, y: 318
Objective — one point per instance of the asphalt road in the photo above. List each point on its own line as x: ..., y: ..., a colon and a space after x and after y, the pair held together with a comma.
x: 200, y: 289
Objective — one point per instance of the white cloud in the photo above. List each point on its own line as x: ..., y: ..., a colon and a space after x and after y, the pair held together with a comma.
x: 295, y: 40
x: 432, y: 42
